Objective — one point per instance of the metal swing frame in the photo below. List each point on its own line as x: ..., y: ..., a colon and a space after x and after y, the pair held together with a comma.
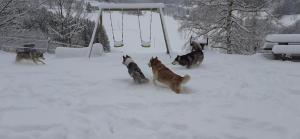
x: 131, y: 7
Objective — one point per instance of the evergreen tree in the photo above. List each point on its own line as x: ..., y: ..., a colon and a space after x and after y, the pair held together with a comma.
x: 223, y: 22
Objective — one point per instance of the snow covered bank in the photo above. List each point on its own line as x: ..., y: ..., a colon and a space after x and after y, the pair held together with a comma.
x: 228, y: 97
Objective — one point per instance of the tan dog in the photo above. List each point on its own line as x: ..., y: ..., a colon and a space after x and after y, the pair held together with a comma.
x: 166, y: 76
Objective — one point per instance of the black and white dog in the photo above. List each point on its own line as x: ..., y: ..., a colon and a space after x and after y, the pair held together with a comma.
x: 193, y: 58
x: 133, y: 70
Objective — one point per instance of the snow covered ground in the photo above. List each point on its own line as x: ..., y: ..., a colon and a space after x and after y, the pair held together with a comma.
x: 228, y: 97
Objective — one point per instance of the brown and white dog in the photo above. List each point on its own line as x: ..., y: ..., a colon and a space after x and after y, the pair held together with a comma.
x: 166, y: 76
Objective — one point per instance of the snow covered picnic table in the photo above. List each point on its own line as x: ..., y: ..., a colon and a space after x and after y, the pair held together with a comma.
x: 286, y: 49
x: 282, y: 46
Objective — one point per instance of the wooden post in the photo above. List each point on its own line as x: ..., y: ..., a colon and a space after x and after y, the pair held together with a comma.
x: 163, y: 24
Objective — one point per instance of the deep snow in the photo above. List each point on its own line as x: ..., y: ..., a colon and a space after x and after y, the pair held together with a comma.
x: 228, y: 97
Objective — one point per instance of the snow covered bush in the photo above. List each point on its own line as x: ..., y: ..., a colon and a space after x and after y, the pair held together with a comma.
x: 10, y: 12
x: 293, y: 29
x: 287, y: 7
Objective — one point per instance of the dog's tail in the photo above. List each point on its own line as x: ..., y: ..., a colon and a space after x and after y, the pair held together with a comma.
x: 185, y: 79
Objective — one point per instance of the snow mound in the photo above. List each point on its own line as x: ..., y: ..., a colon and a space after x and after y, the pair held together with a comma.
x: 64, y: 52
x: 97, y: 50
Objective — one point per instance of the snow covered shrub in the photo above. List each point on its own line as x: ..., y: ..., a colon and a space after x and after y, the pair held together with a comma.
x: 287, y: 7
x: 294, y: 29
x: 10, y: 12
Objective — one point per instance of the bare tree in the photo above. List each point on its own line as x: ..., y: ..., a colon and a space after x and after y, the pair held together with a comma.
x: 67, y: 21
x: 224, y: 21
x: 10, y: 11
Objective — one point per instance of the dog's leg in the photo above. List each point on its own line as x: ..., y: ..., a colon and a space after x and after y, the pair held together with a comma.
x: 188, y: 66
x: 175, y: 87
x: 154, y: 82
x: 41, y: 61
x: 154, y: 78
x: 18, y: 59
x: 34, y: 60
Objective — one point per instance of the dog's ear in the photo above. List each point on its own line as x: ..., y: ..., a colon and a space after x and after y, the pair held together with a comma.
x: 156, y: 58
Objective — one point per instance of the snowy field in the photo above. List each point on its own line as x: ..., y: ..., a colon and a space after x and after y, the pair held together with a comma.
x: 228, y: 97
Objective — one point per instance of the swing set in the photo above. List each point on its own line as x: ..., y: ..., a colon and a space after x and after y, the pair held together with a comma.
x: 131, y: 7
x: 121, y: 43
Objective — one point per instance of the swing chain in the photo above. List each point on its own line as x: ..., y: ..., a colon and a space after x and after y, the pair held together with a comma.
x: 151, y: 26
x: 111, y: 24
x: 122, y: 25
x: 150, y: 37
x: 117, y: 43
x: 140, y: 26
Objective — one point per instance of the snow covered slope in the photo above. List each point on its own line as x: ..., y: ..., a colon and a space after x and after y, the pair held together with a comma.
x: 228, y: 97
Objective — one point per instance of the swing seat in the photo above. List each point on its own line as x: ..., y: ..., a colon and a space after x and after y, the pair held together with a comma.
x: 118, y: 44
x: 146, y: 44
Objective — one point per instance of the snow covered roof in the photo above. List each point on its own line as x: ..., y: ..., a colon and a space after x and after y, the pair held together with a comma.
x: 282, y: 38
